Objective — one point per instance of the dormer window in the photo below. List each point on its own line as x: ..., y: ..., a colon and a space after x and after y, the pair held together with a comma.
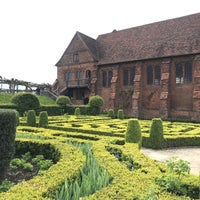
x: 75, y: 58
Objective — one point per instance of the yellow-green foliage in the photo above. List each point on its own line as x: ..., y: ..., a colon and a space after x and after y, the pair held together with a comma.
x: 100, y: 131
x: 45, y: 184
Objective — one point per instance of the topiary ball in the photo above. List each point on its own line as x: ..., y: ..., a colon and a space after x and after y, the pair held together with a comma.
x: 25, y: 101
x: 63, y: 100
x: 96, y: 101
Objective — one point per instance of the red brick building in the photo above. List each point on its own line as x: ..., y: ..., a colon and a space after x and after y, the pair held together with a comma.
x: 149, y: 71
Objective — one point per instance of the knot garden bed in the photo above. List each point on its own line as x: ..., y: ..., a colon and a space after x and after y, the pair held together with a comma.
x: 132, y: 174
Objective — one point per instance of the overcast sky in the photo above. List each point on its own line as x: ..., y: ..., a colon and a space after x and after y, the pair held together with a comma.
x: 35, y: 33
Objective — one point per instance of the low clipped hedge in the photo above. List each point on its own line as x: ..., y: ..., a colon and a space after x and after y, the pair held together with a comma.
x: 45, y: 185
x: 128, y: 184
x: 84, y: 109
x: 8, y: 106
x: 52, y: 110
x: 174, y: 141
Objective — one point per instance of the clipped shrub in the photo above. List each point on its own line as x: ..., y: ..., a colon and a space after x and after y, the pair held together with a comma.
x: 156, y: 133
x: 43, y: 119
x: 52, y: 110
x: 7, y: 139
x: 96, y: 101
x: 17, y: 118
x: 31, y: 118
x: 133, y: 132
x: 77, y: 111
x: 111, y: 113
x: 120, y: 114
x: 25, y: 101
x: 63, y: 100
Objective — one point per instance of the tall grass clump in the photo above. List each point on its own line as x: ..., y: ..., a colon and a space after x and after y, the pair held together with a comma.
x: 43, y: 119
x: 133, y: 132
x: 92, y: 178
x: 31, y: 118
x: 156, y: 133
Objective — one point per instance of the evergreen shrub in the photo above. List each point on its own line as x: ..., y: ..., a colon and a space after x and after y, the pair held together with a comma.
x: 25, y: 101
x: 52, y: 110
x: 31, y: 118
x: 7, y: 139
x: 111, y: 113
x: 43, y: 119
x: 17, y: 118
x: 63, y: 100
x: 120, y: 114
x: 133, y: 132
x: 77, y: 111
x: 156, y: 133
x: 96, y: 101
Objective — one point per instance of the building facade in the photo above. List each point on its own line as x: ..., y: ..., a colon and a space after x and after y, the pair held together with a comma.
x: 148, y: 71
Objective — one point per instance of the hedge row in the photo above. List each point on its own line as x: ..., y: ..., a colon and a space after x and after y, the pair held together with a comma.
x: 128, y: 184
x: 54, y: 110
x: 45, y: 185
x: 174, y: 141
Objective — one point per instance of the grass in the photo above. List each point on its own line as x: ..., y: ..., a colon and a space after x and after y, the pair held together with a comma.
x: 5, y: 98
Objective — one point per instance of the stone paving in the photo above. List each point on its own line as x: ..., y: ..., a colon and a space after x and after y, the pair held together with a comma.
x: 190, y: 154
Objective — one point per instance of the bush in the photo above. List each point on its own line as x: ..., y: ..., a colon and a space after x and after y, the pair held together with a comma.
x: 96, y: 101
x: 43, y: 119
x: 111, y: 113
x: 25, y: 101
x: 93, y: 110
x: 63, y: 100
x: 133, y: 132
x: 77, y: 111
x: 156, y: 133
x: 52, y: 110
x: 120, y: 114
x: 7, y: 139
x: 17, y: 118
x: 31, y: 118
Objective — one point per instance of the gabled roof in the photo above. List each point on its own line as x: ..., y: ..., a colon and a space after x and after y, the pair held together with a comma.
x: 90, y: 43
x: 179, y: 36
x: 174, y: 37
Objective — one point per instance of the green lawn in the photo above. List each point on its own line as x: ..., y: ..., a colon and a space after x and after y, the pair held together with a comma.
x: 5, y: 98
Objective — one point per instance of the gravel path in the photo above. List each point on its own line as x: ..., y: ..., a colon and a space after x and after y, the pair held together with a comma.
x: 190, y: 154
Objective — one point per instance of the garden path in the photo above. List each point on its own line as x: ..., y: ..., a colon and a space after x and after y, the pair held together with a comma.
x: 190, y: 154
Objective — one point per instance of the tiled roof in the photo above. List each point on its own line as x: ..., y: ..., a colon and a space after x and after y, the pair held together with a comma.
x: 90, y: 43
x: 179, y: 36
x: 174, y: 37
